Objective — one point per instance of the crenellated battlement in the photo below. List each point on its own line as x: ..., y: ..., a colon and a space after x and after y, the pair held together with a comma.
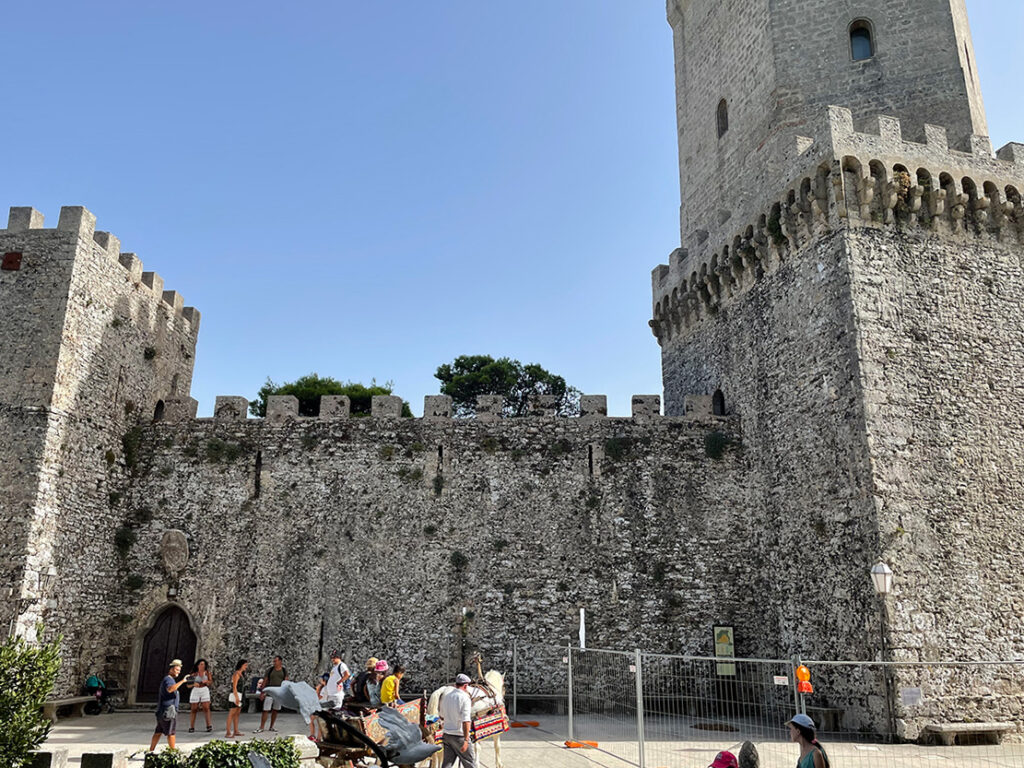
x: 849, y: 179
x: 27, y: 225
x: 438, y: 408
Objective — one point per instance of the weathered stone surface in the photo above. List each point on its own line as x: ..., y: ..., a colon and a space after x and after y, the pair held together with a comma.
x: 230, y: 408
x: 646, y: 406
x: 88, y: 353
x: 282, y: 407
x: 544, y: 406
x: 698, y: 406
x: 593, y: 406
x: 531, y: 519
x: 437, y: 407
x: 386, y: 407
x: 489, y: 407
x: 335, y: 407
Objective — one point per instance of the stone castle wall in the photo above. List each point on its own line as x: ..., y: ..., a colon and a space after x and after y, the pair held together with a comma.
x: 373, y: 535
x: 866, y: 331
x: 95, y: 345
x: 941, y: 324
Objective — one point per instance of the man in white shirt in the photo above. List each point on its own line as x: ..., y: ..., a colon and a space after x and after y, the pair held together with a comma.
x: 456, y: 712
x: 333, y: 693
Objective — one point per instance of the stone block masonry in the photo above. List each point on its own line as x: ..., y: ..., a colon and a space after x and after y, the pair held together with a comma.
x: 90, y: 347
x: 866, y: 328
x: 373, y: 534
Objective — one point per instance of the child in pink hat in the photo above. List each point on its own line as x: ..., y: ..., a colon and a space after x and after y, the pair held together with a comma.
x: 725, y: 760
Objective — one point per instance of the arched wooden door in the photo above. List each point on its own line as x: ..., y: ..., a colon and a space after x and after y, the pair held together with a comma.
x: 170, y: 638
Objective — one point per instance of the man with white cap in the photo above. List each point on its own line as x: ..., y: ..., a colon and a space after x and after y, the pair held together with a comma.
x: 456, y: 712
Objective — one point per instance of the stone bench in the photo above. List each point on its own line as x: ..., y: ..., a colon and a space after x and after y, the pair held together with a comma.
x: 48, y: 758
x: 77, y: 704
x: 117, y: 759
x: 947, y: 733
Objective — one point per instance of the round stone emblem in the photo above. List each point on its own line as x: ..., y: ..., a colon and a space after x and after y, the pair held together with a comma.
x: 174, y: 551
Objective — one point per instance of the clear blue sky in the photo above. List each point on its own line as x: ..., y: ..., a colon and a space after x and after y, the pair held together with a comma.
x: 368, y: 189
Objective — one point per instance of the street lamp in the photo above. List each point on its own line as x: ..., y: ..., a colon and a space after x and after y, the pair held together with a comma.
x: 881, y: 575
x: 47, y: 581
x: 882, y: 578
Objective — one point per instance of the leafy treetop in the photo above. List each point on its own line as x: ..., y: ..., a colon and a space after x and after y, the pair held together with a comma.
x: 471, y: 375
x: 310, y: 388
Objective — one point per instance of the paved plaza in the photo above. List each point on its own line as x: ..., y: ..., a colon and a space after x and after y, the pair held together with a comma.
x: 543, y: 746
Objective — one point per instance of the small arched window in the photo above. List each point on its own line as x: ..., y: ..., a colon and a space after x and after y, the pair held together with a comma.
x: 158, y: 412
x: 723, y: 117
x: 862, y: 40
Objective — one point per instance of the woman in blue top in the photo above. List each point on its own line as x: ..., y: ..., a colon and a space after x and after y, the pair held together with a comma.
x: 812, y: 754
x: 167, y: 706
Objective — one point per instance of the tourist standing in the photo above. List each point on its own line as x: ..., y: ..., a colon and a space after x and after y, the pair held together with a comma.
x: 236, y: 700
x: 389, y: 688
x: 199, y: 698
x: 456, y: 712
x: 812, y: 754
x: 167, y: 706
x: 333, y: 693
x: 359, y: 684
x: 373, y: 683
x: 276, y: 675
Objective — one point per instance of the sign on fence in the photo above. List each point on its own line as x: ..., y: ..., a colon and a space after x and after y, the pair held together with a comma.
x: 725, y: 648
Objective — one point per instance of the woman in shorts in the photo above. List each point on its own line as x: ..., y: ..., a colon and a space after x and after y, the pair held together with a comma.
x: 236, y: 699
x: 199, y: 698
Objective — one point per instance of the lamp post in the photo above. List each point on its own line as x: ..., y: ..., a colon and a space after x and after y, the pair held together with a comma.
x: 21, y: 602
x: 882, y: 578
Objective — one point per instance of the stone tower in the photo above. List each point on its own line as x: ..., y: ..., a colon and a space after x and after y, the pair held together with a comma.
x: 851, y: 285
x: 752, y: 73
x: 92, y: 347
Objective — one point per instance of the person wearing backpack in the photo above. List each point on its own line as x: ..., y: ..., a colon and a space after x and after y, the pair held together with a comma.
x: 167, y: 706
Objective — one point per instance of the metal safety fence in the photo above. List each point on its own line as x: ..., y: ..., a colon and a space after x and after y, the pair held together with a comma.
x: 661, y: 711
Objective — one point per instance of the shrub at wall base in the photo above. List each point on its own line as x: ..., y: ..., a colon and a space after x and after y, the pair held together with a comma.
x: 282, y: 753
x: 27, y: 674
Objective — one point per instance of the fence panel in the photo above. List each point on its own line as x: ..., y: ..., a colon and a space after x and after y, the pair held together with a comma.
x: 881, y: 715
x: 604, y: 702
x: 695, y: 707
x: 868, y: 714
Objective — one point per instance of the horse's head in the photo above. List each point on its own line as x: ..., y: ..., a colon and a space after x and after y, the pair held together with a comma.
x: 496, y: 681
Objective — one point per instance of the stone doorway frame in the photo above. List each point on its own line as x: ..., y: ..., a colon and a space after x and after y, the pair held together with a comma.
x: 140, y: 640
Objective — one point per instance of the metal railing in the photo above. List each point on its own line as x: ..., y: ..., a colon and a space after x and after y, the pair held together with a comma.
x: 659, y: 710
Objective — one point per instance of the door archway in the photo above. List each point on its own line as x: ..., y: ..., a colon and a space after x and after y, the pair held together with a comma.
x: 170, y: 637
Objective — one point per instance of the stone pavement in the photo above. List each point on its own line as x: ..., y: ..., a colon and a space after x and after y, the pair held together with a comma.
x: 543, y: 747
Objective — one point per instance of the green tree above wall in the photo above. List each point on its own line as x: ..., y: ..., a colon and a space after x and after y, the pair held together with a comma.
x: 27, y: 673
x: 310, y: 388
x: 471, y: 375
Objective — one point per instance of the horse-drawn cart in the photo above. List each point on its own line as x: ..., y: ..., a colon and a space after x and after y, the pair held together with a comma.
x: 389, y: 736
x: 396, y: 736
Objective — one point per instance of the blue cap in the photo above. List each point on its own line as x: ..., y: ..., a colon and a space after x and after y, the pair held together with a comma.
x: 803, y: 720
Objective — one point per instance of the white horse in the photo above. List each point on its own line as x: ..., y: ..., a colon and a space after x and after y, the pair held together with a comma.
x: 483, y: 697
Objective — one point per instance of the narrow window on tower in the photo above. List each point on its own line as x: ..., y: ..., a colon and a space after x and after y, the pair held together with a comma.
x: 862, y: 42
x: 723, y: 117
